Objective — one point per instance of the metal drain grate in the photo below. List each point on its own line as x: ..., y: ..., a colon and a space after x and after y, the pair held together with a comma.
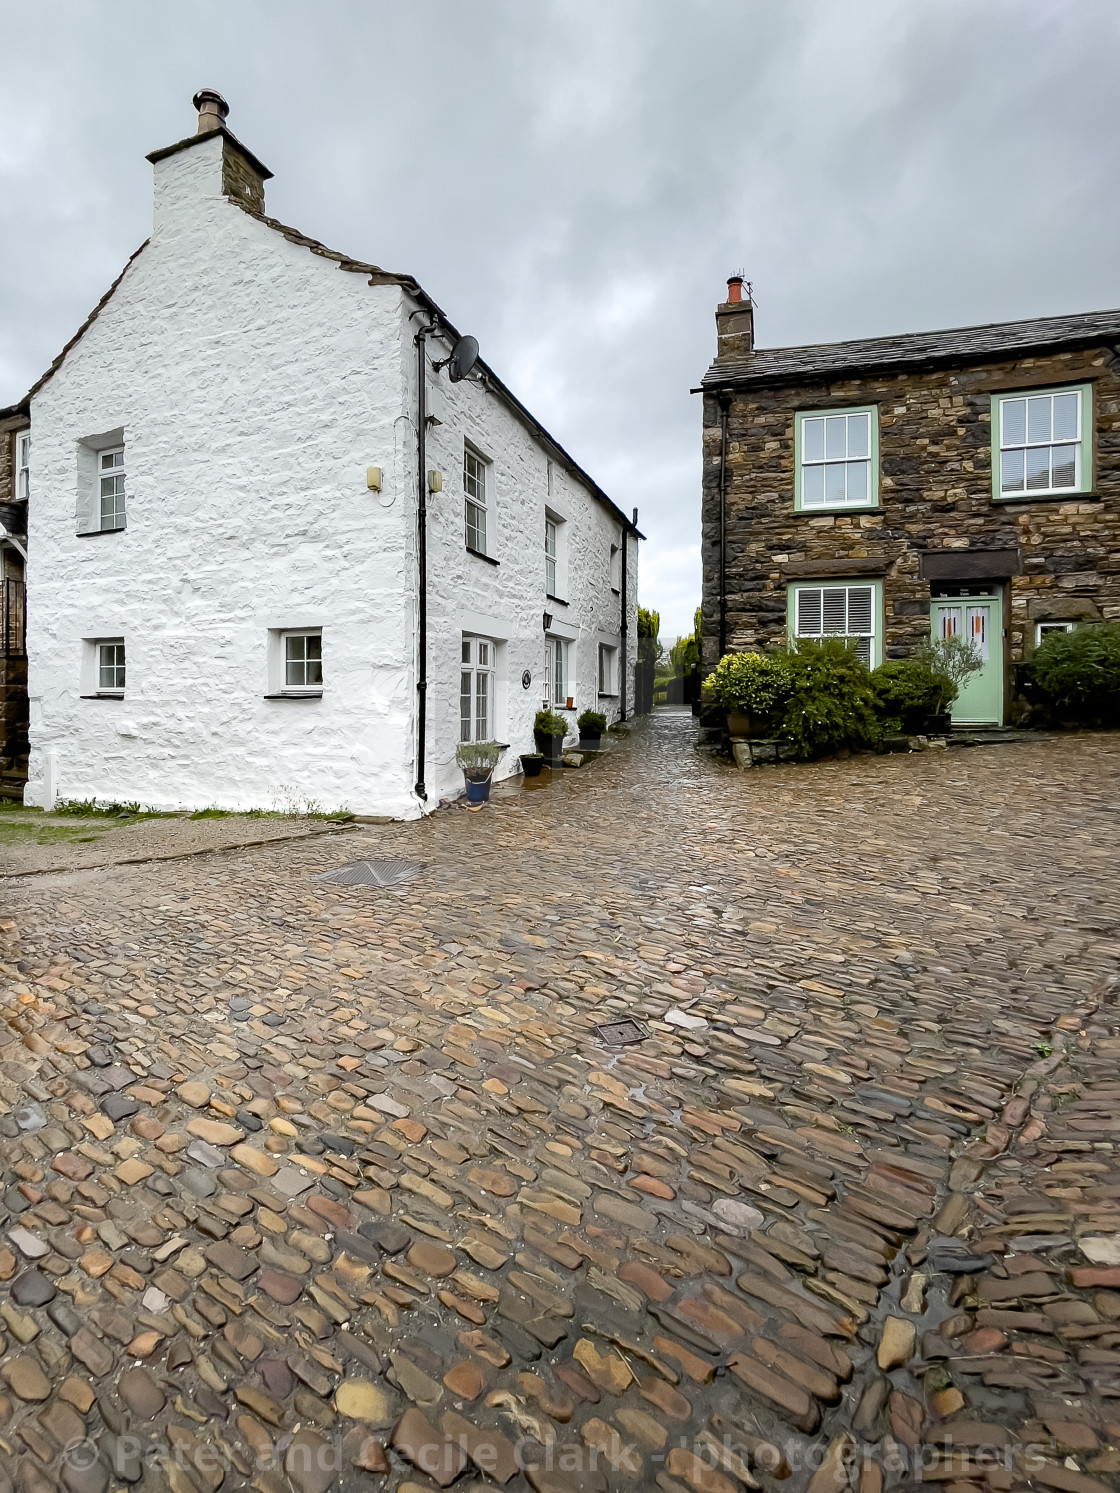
x: 373, y: 873
x: 621, y: 1033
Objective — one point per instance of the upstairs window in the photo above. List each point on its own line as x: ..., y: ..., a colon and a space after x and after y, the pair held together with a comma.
x: 474, y: 495
x: 836, y: 459
x: 23, y: 466
x: 110, y: 667
x: 110, y: 472
x: 303, y: 662
x: 616, y: 567
x: 550, y: 557
x: 1042, y: 442
x: 835, y: 610
x: 476, y: 690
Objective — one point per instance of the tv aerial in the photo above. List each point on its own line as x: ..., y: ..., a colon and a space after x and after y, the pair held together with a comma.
x: 464, y: 355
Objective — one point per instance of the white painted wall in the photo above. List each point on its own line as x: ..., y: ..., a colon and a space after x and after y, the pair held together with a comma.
x: 507, y: 602
x: 255, y: 382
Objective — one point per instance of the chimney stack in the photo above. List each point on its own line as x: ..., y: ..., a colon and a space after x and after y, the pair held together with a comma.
x: 735, y: 321
x: 213, y: 110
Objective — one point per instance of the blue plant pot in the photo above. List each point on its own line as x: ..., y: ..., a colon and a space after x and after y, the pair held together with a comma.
x: 478, y: 792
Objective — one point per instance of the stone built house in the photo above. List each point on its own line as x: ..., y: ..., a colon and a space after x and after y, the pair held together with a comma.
x: 226, y: 553
x: 963, y: 481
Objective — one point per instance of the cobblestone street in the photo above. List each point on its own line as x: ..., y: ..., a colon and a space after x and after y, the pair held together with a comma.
x: 310, y: 1185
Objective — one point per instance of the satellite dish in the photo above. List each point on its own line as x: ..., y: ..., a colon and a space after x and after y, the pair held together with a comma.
x: 464, y: 355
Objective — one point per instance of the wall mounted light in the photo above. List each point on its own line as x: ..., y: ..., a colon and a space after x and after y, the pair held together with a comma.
x: 373, y: 479
x: 435, y: 481
x: 547, y: 620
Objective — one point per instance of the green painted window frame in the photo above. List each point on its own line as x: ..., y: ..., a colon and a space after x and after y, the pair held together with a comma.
x: 876, y: 584
x: 847, y: 409
x: 1086, y: 442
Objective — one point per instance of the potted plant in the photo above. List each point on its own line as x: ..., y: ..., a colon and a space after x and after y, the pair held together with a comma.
x: 752, y: 688
x: 549, y: 731
x: 531, y: 764
x: 478, y: 760
x: 950, y: 661
x: 591, y: 724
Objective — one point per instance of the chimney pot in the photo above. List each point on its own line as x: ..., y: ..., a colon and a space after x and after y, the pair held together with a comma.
x: 212, y: 110
x: 735, y: 289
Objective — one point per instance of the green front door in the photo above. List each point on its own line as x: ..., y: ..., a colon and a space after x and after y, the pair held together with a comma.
x: 979, y: 619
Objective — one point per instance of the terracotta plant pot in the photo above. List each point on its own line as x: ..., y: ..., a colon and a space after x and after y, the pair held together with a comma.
x: 739, y: 724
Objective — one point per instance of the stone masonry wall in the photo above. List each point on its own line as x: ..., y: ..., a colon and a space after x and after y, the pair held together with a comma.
x: 934, y: 491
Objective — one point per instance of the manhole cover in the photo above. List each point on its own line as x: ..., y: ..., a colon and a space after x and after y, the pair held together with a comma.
x: 373, y: 873
x: 621, y: 1033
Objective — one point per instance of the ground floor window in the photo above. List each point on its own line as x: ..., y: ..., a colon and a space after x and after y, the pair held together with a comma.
x: 834, y: 609
x: 556, y: 671
x: 476, y: 690
x: 607, y: 685
x: 1042, y: 629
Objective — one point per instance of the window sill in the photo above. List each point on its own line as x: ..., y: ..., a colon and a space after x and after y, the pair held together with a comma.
x: 1047, y: 497
x: 616, y: 590
x: 608, y: 695
x: 559, y: 600
x: 841, y: 508
x: 479, y: 555
x: 296, y: 694
x: 91, y: 533
x: 104, y: 695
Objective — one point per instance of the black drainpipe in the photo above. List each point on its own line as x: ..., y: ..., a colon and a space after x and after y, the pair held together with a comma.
x: 724, y: 404
x: 422, y: 555
x: 624, y: 628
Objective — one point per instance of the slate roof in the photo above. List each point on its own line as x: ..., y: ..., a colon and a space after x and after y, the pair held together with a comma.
x: 915, y: 349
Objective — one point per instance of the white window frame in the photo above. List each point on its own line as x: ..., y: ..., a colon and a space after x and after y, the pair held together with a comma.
x: 309, y: 663
x: 22, y: 489
x: 550, y: 548
x: 1042, y: 628
x: 873, y: 635
x: 117, y: 665
x: 556, y: 670
x: 608, y: 659
x: 477, y: 688
x: 476, y: 482
x: 115, y: 472
x: 1081, y: 444
x: 812, y: 504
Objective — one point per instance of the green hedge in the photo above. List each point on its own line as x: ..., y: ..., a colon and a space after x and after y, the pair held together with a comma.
x: 1075, y: 676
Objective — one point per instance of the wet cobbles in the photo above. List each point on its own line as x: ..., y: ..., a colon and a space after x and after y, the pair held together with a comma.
x: 309, y: 1186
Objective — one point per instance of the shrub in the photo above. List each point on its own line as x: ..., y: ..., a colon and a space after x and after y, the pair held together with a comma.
x: 758, y: 684
x: 831, y: 705
x: 478, y: 757
x: 546, y: 723
x: 1077, y: 674
x: 906, y: 692
x: 592, y: 723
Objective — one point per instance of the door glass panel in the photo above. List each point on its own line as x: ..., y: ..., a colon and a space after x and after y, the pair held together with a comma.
x: 950, y: 620
x: 976, y: 630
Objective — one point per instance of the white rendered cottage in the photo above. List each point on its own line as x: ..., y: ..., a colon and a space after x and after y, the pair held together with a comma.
x: 226, y: 594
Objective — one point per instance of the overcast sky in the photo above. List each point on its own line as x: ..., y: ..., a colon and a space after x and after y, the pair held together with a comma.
x: 574, y: 182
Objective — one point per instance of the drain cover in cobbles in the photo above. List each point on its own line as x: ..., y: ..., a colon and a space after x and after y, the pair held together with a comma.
x: 621, y: 1033
x: 373, y: 873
